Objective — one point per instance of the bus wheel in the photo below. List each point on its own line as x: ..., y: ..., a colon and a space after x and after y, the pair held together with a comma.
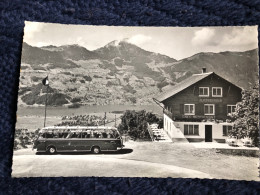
x: 95, y: 150
x: 52, y: 150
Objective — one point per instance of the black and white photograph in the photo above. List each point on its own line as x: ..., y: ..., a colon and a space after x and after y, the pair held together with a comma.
x: 117, y: 101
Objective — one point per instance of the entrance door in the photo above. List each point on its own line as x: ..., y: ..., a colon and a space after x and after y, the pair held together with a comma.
x: 208, y: 133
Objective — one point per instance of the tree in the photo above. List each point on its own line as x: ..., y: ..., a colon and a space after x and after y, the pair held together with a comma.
x: 247, y: 115
x: 135, y: 123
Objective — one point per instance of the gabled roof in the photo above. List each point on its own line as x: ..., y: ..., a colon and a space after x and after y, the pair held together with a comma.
x: 171, y: 91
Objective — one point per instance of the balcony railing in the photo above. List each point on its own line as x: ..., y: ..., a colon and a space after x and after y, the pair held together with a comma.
x: 168, y: 113
x: 193, y: 118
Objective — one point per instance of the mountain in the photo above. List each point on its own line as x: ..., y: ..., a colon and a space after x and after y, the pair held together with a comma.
x: 37, y: 57
x: 238, y: 67
x: 55, y: 57
x: 73, y: 52
x: 144, y: 63
x: 119, y: 73
x: 129, y: 52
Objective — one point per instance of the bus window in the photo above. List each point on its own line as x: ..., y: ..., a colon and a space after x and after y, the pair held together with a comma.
x: 55, y: 134
x: 115, y: 134
x: 69, y: 134
x: 83, y: 134
x: 104, y: 134
x: 73, y: 135
x: 95, y: 134
x: 110, y: 135
x: 78, y: 134
x: 61, y: 134
x: 65, y: 134
x: 42, y: 135
x: 89, y: 133
x: 99, y: 134
x: 49, y: 135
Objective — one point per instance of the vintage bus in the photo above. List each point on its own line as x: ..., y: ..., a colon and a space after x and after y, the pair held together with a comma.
x: 78, y: 139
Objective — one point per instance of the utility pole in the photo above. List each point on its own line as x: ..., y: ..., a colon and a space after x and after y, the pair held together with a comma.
x: 115, y: 120
x: 45, y: 82
x: 105, y: 119
x: 46, y: 105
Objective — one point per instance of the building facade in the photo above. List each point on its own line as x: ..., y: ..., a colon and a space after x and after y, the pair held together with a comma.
x: 199, y: 108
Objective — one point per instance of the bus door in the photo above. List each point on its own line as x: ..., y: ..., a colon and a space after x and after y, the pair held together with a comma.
x: 109, y: 142
x: 64, y: 142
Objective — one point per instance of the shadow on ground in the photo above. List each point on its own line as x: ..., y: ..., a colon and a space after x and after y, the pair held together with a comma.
x: 122, y: 151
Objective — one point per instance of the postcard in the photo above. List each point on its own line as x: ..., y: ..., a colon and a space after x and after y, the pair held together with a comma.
x: 114, y: 101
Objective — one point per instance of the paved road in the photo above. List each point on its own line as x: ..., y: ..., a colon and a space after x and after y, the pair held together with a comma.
x: 137, y: 160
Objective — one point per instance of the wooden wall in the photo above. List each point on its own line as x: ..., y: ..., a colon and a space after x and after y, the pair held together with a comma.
x: 231, y: 95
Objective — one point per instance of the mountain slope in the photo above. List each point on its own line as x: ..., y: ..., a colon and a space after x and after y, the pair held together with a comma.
x: 238, y: 67
x: 119, y: 73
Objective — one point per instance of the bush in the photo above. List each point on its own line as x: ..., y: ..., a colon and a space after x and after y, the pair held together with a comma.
x: 67, y: 73
x: 71, y: 89
x: 23, y: 90
x: 110, y: 83
x: 96, y: 76
x: 134, y: 123
x: 82, y: 81
x: 129, y: 89
x: 76, y: 99
x: 35, y: 79
x: 87, y: 78
x: 162, y: 84
x: 73, y: 80
x: 132, y: 99
x: 56, y: 99
x: 74, y: 105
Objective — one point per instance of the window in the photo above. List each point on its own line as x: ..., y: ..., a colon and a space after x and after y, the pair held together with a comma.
x: 204, y: 92
x: 189, y: 109
x: 209, y: 109
x: 191, y: 129
x: 226, y: 128
x: 216, y: 91
x: 231, y: 109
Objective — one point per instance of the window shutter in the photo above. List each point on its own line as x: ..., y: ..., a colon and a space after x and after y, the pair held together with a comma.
x: 217, y: 110
x: 221, y: 109
x: 181, y: 108
x: 199, y: 109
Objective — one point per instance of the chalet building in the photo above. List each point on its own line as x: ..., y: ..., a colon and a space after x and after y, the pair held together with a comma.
x: 199, y: 108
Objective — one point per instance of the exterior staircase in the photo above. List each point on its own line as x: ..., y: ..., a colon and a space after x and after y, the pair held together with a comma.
x: 158, y: 135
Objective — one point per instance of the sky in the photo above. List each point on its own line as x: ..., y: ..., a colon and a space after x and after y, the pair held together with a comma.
x: 175, y: 42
